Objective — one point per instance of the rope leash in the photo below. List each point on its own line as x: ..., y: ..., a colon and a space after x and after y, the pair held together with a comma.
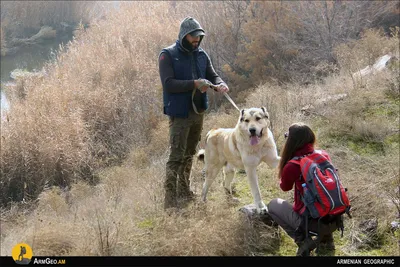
x: 215, y: 88
x: 230, y: 100
x: 227, y: 97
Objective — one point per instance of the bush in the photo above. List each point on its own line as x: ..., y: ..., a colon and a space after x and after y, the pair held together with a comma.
x: 100, y: 97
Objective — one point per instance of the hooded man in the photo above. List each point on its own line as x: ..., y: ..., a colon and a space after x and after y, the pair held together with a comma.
x: 186, y: 74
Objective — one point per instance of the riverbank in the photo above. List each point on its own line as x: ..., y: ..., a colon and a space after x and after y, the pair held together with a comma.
x: 84, y: 151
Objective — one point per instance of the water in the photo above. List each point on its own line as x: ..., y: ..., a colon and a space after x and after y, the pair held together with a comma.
x: 29, y: 58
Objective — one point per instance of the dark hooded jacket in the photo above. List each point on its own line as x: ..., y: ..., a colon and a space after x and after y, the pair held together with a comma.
x: 179, y: 67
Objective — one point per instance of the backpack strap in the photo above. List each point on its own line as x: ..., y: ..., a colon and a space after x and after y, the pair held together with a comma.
x: 297, y: 158
x: 340, y: 225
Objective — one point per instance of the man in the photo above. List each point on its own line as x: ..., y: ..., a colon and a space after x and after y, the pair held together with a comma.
x: 186, y: 74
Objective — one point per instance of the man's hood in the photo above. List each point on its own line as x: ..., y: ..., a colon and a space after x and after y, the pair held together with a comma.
x: 189, y: 25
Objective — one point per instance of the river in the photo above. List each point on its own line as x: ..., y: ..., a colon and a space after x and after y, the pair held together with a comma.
x: 29, y: 58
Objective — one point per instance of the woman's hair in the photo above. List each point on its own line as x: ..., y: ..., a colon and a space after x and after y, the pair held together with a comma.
x: 299, y: 135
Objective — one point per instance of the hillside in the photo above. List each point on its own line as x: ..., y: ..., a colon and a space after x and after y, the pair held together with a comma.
x: 84, y: 146
x: 123, y: 215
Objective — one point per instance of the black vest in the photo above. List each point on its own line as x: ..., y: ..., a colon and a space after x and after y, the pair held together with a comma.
x: 179, y: 104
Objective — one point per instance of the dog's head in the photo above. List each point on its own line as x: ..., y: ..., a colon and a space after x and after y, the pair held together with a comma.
x: 253, y: 123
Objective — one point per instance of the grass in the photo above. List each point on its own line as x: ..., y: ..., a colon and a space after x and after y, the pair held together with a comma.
x: 89, y: 114
x: 122, y: 215
x: 83, y: 155
x: 23, y: 16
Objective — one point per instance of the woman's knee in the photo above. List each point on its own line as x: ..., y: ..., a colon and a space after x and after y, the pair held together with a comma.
x: 274, y: 206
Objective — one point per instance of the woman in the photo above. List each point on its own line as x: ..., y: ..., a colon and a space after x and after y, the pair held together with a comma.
x: 300, y: 141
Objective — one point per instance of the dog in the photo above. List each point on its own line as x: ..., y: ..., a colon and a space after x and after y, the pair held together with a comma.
x: 243, y: 147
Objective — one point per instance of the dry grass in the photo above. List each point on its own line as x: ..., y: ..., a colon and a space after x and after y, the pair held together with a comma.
x: 123, y: 214
x: 100, y: 104
x: 3, y: 42
x: 89, y: 108
x: 356, y: 55
x: 19, y: 17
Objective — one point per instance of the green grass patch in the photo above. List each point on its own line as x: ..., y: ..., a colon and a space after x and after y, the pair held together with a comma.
x: 357, y: 144
x: 365, y: 148
x: 287, y: 247
x: 392, y: 141
x: 146, y: 224
x: 389, y: 108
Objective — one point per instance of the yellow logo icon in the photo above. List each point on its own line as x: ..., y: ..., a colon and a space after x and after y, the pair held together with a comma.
x: 22, y: 253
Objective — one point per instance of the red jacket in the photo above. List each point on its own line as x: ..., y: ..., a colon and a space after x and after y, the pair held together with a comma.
x: 291, y: 176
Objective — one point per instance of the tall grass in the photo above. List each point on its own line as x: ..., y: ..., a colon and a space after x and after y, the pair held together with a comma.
x: 356, y: 55
x: 100, y: 103
x: 123, y: 214
x: 19, y: 17
x: 90, y: 107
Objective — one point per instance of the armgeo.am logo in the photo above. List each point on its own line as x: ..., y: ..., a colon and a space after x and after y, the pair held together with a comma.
x: 22, y: 253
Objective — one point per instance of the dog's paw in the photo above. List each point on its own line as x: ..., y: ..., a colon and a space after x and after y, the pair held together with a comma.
x: 262, y: 209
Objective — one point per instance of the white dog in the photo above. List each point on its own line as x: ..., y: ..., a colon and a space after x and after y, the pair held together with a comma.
x: 243, y: 147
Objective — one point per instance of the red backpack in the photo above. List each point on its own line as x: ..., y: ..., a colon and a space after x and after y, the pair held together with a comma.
x: 324, y: 194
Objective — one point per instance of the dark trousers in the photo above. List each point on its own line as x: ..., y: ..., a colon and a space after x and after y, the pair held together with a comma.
x: 283, y: 214
x: 185, y: 134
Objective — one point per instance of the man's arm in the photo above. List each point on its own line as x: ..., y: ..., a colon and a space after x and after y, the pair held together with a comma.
x: 169, y: 83
x: 214, y: 78
x: 211, y: 75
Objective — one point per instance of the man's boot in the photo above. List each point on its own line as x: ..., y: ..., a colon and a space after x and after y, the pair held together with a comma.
x: 170, y: 200
x: 184, y: 192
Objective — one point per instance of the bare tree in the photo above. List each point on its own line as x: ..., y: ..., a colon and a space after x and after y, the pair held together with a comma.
x: 326, y: 24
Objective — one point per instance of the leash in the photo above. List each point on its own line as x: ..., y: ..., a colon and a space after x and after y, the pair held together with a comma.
x: 194, y: 106
x: 230, y: 100
x: 213, y: 87
x: 227, y: 97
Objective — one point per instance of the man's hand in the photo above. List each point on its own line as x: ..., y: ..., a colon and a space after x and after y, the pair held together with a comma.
x: 222, y: 88
x: 202, y: 85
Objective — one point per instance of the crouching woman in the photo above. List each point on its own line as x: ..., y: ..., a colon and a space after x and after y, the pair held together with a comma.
x: 300, y: 140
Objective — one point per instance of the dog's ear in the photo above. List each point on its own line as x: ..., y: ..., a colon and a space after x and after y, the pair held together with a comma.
x: 263, y: 109
x: 266, y: 115
x: 241, y: 115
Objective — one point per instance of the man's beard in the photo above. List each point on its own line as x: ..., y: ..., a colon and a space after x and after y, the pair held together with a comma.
x: 188, y: 46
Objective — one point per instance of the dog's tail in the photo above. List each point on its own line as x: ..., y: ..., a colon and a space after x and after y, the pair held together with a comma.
x: 200, y: 155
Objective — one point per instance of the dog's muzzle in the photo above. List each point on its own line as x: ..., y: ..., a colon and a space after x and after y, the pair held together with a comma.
x: 254, y: 139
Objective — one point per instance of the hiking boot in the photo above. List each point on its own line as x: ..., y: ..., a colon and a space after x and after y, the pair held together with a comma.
x: 185, y: 199
x: 327, y: 242
x: 187, y: 196
x: 170, y: 200
x: 305, y: 247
